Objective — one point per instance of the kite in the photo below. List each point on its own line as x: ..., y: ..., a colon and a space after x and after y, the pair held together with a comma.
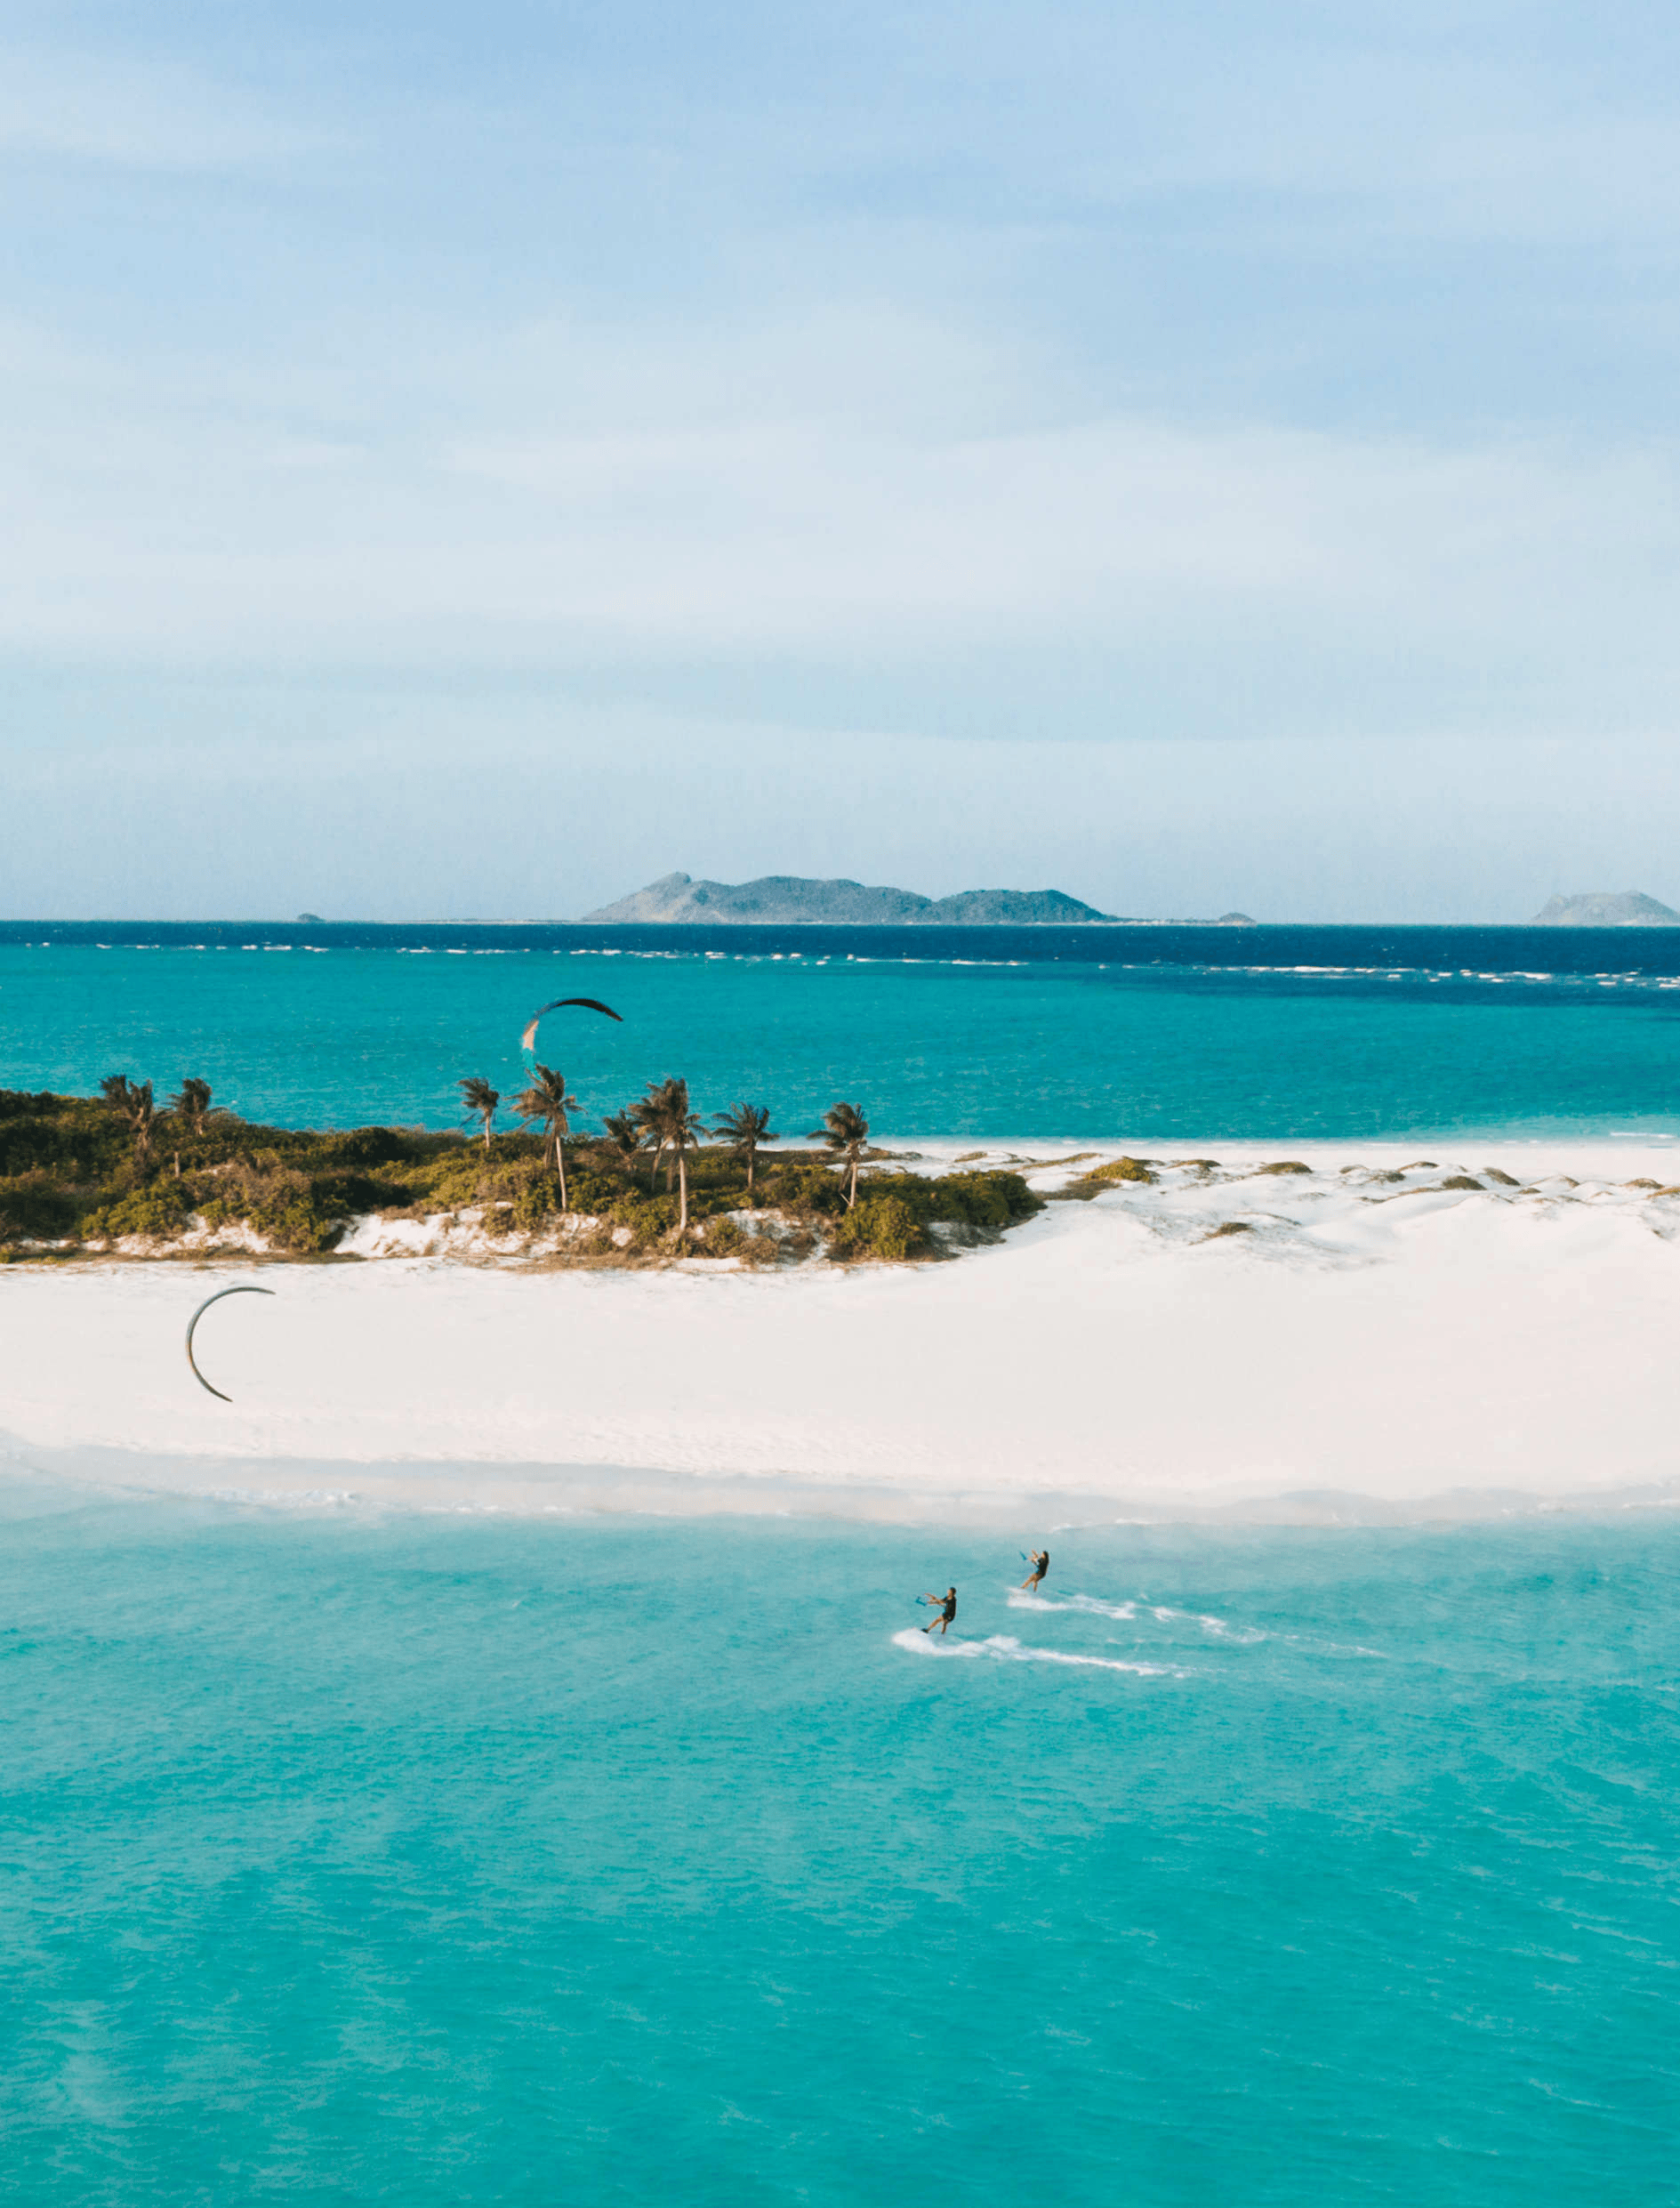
x: 193, y: 1321
x: 590, y: 1004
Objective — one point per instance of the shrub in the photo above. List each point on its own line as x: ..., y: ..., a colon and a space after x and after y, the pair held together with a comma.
x: 33, y: 1210
x: 724, y: 1238
x: 972, y: 1199
x: 995, y: 1199
x: 536, y: 1203
x: 1286, y: 1166
x: 1101, y: 1177
x: 161, y: 1208
x: 650, y: 1218
x: 73, y: 1136
x: 1461, y: 1180
x: 1123, y: 1169
x: 877, y: 1226
x: 593, y: 1192
x: 276, y: 1201
x: 296, y: 1223
x: 804, y: 1186
x: 370, y: 1146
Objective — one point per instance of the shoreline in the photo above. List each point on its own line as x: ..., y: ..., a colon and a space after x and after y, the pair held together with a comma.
x: 459, y: 1488
x: 1358, y: 1351
x: 582, y: 1241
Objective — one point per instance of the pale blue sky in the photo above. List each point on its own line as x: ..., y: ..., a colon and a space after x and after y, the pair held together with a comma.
x: 473, y: 460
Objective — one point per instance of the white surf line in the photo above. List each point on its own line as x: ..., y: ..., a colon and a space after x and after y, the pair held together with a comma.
x: 1004, y: 1648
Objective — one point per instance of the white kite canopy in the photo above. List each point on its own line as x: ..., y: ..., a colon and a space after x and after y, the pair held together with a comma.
x: 193, y: 1321
x: 589, y: 1004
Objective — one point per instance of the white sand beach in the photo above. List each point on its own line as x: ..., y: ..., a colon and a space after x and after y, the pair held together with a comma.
x: 1365, y: 1346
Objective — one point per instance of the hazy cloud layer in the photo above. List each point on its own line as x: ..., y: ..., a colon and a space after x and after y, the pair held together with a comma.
x: 1277, y: 385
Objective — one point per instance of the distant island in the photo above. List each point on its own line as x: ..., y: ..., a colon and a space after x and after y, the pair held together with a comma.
x: 1606, y: 908
x: 783, y: 899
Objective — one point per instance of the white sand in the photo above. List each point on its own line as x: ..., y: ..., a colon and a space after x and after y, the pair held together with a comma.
x: 1496, y: 1349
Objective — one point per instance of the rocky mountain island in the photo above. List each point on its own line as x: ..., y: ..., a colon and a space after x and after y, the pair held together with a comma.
x: 779, y: 899
x: 1606, y: 908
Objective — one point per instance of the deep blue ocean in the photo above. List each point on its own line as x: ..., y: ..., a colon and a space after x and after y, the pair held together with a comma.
x: 1140, y: 1033
x: 442, y: 1859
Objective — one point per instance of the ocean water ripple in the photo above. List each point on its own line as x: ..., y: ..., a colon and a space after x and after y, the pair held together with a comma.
x: 1146, y: 1032
x: 442, y: 1860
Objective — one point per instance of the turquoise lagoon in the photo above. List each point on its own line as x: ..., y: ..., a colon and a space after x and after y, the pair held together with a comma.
x: 449, y: 1860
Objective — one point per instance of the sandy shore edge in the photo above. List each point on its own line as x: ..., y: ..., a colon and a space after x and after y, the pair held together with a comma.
x: 1361, y: 1352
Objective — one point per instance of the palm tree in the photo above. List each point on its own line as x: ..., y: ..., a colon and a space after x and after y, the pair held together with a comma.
x: 668, y: 1123
x: 132, y: 1101
x: 546, y: 1103
x: 744, y: 1127
x: 623, y: 1139
x: 480, y: 1100
x: 846, y: 1131
x: 192, y: 1106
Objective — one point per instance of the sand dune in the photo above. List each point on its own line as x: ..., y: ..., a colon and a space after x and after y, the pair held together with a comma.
x: 1363, y: 1344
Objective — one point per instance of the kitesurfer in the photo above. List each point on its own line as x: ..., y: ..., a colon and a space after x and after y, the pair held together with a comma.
x: 946, y: 1605
x: 1034, y: 1579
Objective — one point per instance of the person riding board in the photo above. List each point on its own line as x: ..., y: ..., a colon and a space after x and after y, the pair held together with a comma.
x: 946, y: 1605
x: 1034, y: 1579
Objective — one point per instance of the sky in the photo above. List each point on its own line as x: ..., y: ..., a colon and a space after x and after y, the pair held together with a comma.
x: 473, y: 461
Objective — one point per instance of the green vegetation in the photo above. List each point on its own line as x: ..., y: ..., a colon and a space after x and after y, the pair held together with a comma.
x: 545, y: 1104
x: 893, y: 1211
x: 880, y: 1225
x: 191, y: 1106
x: 76, y: 1171
x: 746, y: 1129
x: 480, y: 1100
x: 671, y: 1127
x: 846, y: 1133
x: 1101, y: 1177
x: 131, y: 1102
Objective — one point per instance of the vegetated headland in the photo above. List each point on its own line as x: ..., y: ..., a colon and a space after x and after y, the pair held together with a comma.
x: 792, y: 901
x: 118, y: 1175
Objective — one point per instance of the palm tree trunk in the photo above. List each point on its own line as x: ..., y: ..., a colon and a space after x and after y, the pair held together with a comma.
x: 559, y: 1161
x: 852, y: 1202
x: 752, y: 1154
x: 682, y: 1179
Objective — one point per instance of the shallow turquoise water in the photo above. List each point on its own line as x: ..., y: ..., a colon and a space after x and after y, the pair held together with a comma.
x: 1330, y: 1033
x: 454, y: 1860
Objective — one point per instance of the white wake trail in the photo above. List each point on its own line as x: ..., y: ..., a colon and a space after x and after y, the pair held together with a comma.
x: 1088, y: 1606
x: 1004, y: 1648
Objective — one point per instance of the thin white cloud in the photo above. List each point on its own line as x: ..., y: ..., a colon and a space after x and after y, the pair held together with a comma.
x: 645, y: 519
